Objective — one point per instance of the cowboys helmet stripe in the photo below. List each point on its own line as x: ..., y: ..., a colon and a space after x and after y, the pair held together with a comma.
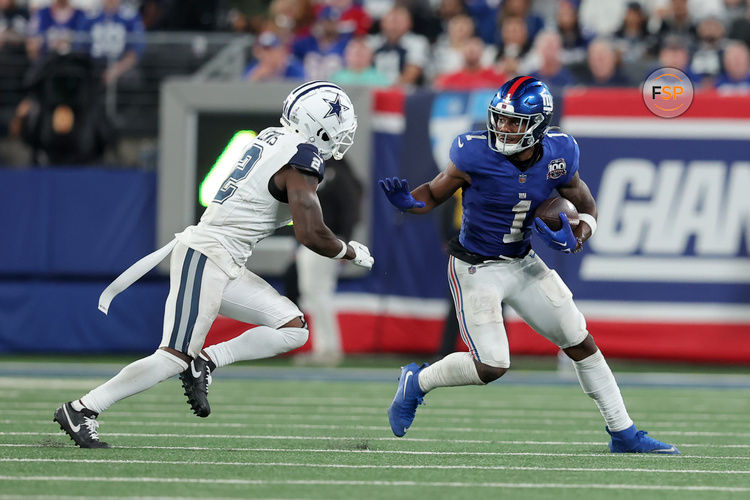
x: 299, y: 88
x: 310, y: 89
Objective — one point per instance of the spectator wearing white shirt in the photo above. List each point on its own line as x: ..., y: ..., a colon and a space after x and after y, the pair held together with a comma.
x: 400, y: 54
x: 447, y: 54
x: 602, y: 17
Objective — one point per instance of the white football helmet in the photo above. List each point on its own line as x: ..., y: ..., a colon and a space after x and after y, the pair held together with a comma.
x: 323, y: 115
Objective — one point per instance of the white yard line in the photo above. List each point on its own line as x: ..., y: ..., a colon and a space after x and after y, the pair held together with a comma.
x: 618, y: 456
x: 272, y: 437
x: 373, y: 466
x: 422, y: 428
x: 561, y: 425
x: 335, y: 411
x: 322, y: 482
x: 251, y: 400
x: 99, y: 497
x: 332, y: 438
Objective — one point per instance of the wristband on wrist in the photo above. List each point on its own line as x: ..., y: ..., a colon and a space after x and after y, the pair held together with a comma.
x: 344, y: 248
x: 588, y: 219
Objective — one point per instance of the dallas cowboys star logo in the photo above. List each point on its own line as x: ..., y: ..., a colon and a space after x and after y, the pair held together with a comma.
x: 336, y: 108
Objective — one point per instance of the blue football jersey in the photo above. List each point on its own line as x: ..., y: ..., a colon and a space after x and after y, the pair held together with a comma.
x: 499, y: 204
x: 56, y: 32
x: 320, y: 62
x: 111, y: 34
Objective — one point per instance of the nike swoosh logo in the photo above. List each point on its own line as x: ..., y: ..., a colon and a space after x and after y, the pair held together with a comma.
x: 562, y: 244
x: 460, y: 144
x: 195, y: 374
x: 74, y: 428
x: 406, y: 381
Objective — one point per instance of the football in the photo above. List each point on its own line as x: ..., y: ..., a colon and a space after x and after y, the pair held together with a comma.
x: 549, y: 211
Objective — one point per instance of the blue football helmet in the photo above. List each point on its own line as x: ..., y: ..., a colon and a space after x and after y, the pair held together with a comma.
x: 518, y: 115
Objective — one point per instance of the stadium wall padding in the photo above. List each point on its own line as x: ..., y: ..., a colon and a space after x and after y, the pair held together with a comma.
x: 666, y: 277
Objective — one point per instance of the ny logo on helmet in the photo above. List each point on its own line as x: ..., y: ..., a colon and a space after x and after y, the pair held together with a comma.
x: 546, y: 100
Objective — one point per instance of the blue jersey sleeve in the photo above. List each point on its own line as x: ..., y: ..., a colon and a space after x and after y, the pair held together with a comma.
x: 308, y: 160
x: 459, y: 154
x: 468, y: 151
x: 40, y: 22
x: 571, y: 153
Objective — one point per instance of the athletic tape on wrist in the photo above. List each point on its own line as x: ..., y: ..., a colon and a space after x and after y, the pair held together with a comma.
x: 344, y: 248
x: 588, y: 219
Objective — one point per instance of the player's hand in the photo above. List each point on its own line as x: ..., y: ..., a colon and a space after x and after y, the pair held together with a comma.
x: 398, y: 193
x: 362, y: 257
x: 562, y: 240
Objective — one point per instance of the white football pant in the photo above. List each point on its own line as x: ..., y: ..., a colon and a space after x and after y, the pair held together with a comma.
x: 536, y: 292
x: 199, y: 291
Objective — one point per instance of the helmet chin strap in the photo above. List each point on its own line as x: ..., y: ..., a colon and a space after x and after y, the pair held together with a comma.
x: 508, y: 149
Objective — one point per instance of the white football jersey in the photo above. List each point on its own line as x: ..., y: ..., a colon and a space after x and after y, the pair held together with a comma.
x: 244, y: 211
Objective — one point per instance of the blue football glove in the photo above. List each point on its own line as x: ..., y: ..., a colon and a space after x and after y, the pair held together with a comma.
x: 562, y: 240
x: 398, y: 193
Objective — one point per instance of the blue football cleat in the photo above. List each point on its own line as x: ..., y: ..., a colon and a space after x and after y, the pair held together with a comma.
x: 631, y: 440
x: 408, y: 396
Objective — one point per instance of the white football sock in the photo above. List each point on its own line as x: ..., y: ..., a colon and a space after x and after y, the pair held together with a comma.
x: 457, y: 368
x: 134, y: 378
x: 257, y: 343
x: 598, y: 383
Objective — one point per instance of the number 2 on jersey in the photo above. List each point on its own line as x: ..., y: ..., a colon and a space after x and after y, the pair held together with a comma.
x: 243, y: 167
x: 520, y: 210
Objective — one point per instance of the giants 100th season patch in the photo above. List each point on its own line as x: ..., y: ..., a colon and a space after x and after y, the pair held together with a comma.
x: 556, y: 168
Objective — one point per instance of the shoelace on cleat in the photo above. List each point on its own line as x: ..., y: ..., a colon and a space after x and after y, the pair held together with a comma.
x: 408, y: 410
x: 93, y: 426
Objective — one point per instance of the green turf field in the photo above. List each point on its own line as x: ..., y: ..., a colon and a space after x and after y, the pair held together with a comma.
x: 306, y: 438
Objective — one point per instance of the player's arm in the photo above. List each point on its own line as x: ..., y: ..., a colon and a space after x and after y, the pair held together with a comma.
x: 309, y: 227
x: 440, y: 189
x: 427, y: 196
x: 580, y: 195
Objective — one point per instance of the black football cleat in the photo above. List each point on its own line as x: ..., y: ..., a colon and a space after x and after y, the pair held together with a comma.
x: 81, y: 426
x: 195, y: 381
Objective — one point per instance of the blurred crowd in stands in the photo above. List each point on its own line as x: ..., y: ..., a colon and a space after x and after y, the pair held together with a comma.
x: 72, y: 51
x: 466, y: 44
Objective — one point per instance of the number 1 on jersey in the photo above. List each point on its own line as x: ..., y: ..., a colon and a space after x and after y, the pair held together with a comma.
x: 520, y: 210
x: 243, y: 167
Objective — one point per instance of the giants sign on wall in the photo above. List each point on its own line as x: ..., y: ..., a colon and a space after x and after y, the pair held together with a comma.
x: 669, y: 265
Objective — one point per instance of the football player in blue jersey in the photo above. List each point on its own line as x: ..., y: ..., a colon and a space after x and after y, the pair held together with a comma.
x: 505, y: 172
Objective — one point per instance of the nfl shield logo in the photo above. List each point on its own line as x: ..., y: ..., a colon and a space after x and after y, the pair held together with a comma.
x: 472, y: 270
x: 521, y: 178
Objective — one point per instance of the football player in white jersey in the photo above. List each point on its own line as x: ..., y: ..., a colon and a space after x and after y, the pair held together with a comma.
x: 274, y: 183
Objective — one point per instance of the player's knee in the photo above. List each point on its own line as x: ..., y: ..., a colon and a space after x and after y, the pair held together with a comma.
x: 298, y: 322
x: 583, y: 350
x: 489, y: 373
x: 295, y: 333
x: 178, y: 354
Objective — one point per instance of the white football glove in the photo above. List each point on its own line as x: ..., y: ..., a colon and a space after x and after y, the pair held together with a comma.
x: 362, y: 257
